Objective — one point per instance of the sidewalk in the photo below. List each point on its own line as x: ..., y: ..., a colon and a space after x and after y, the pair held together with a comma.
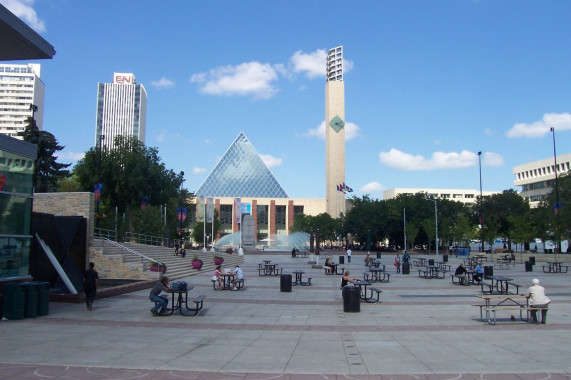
x: 425, y: 328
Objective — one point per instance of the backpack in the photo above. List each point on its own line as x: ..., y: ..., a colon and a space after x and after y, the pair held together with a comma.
x: 179, y: 285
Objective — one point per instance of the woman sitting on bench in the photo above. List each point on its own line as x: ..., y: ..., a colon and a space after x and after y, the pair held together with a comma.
x: 328, y: 266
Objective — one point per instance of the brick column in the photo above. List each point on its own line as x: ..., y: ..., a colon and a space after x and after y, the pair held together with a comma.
x: 272, y: 215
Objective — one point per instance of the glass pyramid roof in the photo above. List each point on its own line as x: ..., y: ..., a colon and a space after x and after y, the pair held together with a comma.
x: 241, y: 173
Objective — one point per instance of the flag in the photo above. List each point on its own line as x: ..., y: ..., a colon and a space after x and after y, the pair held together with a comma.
x: 97, y: 190
x: 3, y: 180
x: 181, y: 214
x: 238, y: 210
x: 144, y: 203
x: 200, y: 209
x: 209, y: 209
x: 556, y: 207
x: 340, y: 188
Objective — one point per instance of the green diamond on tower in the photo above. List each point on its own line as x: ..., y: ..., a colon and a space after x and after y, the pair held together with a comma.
x: 337, y: 123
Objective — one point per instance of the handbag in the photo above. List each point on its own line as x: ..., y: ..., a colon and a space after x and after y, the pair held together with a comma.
x: 396, y: 262
x: 179, y: 285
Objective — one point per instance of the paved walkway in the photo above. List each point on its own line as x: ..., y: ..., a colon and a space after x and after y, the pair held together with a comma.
x: 422, y: 329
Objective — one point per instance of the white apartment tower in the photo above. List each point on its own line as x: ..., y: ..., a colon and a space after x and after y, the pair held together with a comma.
x: 21, y: 96
x: 121, y: 110
x: 334, y: 133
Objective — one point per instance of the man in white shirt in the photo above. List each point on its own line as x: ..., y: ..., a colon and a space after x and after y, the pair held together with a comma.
x: 238, y: 276
x: 538, y: 299
x: 349, y: 255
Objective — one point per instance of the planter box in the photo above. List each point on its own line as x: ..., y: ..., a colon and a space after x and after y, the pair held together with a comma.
x: 218, y: 261
x: 196, y: 265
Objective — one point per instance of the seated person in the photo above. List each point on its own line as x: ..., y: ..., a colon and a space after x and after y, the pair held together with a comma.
x: 405, y: 257
x: 478, y: 273
x: 161, y: 301
x: 238, y: 275
x: 512, y: 257
x: 538, y: 299
x: 461, y: 274
x: 216, y: 277
x: 328, y: 266
x: 368, y: 259
x: 346, y: 279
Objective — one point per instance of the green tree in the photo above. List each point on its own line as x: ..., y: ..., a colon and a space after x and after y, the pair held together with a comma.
x: 130, y: 173
x: 48, y: 172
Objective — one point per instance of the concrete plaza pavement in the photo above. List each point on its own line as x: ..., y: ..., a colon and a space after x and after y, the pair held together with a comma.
x: 422, y: 329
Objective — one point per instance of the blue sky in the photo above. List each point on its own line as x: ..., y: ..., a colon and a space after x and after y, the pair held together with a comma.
x: 428, y: 84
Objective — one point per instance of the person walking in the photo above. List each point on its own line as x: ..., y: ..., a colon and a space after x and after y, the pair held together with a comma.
x: 349, y: 255
x: 90, y: 280
x: 397, y: 263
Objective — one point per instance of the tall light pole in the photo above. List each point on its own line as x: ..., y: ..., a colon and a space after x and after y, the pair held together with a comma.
x: 101, y: 138
x: 480, y: 216
x: 557, y: 205
x: 180, y: 209
x: 435, y: 221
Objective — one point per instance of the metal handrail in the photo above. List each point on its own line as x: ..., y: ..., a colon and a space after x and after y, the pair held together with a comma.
x: 143, y: 257
x: 145, y: 239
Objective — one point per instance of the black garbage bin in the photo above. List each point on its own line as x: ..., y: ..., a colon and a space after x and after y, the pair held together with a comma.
x: 43, y: 298
x: 351, y: 299
x: 528, y: 266
x: 532, y: 260
x: 405, y: 268
x: 430, y: 261
x: 31, y: 299
x: 445, y: 258
x: 488, y: 271
x: 341, y: 259
x: 285, y: 283
x: 14, y: 304
x: 378, y: 255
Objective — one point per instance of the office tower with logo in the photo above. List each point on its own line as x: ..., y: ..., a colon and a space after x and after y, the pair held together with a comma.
x: 121, y: 110
x: 335, y: 133
x: 21, y: 96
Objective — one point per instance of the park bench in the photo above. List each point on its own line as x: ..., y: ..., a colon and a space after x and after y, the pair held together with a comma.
x: 372, y: 299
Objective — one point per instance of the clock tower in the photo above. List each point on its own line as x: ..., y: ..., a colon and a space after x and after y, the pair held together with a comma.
x: 334, y: 133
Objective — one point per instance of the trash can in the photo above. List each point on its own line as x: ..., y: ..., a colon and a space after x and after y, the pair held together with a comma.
x: 445, y: 258
x: 351, y: 299
x: 14, y: 301
x: 31, y: 299
x: 43, y: 298
x: 341, y: 259
x: 405, y: 268
x: 285, y: 283
x: 378, y: 255
x: 532, y: 260
x: 528, y: 266
x: 488, y: 271
x: 430, y: 261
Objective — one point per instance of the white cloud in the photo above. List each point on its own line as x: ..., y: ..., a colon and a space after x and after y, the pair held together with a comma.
x: 270, y: 160
x: 488, y: 132
x: 24, y: 10
x: 313, y: 64
x: 560, y: 122
x: 198, y: 170
x: 163, y: 83
x: 247, y: 79
x: 372, y: 187
x: 493, y: 159
x: 352, y: 131
x: 70, y: 156
x: 439, y: 160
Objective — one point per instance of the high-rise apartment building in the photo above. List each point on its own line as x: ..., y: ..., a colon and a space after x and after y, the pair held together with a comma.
x: 21, y: 96
x: 121, y: 110
x: 335, y: 133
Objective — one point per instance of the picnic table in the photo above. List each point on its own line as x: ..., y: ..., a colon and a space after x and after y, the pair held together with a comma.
x: 555, y: 267
x: 502, y: 302
x: 431, y: 271
x: 500, y: 283
x: 180, y: 298
x: 363, y: 286
x: 299, y: 278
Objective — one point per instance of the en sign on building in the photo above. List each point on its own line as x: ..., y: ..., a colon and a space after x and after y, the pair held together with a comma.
x: 123, y: 78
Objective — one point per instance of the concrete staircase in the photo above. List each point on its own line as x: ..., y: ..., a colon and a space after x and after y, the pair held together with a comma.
x: 177, y: 267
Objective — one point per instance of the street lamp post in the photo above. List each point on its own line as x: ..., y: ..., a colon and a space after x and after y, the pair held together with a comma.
x: 435, y: 221
x: 180, y: 209
x: 557, y: 205
x: 480, y: 216
x: 101, y: 138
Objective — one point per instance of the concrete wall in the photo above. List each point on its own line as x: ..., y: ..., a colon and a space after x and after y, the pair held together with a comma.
x: 67, y: 204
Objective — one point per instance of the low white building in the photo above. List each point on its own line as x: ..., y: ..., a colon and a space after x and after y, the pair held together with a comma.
x: 537, y: 179
x: 459, y: 195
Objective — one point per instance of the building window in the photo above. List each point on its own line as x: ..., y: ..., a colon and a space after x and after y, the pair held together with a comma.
x: 280, y: 217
